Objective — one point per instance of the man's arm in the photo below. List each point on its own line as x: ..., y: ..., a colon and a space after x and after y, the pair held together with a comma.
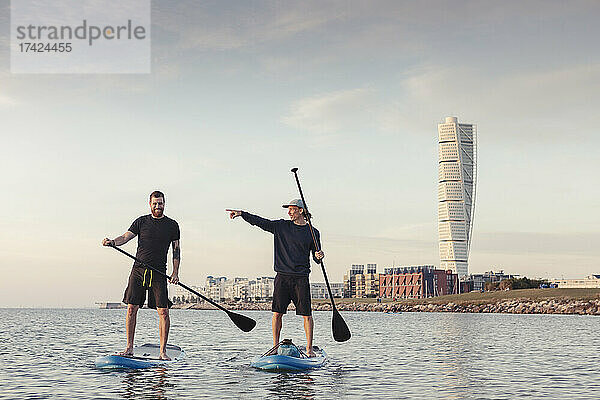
x: 176, y: 259
x: 262, y: 223
x: 118, y: 241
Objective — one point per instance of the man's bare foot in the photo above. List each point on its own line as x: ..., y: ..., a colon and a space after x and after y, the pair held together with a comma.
x: 164, y: 356
x: 128, y: 352
x: 310, y: 353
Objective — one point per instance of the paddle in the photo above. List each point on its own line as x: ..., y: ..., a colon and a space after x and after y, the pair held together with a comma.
x: 341, y: 333
x: 244, y: 323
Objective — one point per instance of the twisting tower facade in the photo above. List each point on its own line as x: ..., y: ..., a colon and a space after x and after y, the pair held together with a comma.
x: 456, y: 193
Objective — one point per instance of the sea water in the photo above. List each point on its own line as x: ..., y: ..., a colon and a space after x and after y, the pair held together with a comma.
x: 49, y: 353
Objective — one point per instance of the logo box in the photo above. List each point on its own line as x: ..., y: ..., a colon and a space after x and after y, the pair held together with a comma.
x: 80, y: 36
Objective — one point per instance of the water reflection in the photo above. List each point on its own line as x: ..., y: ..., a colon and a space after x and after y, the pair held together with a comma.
x: 455, y: 352
x: 150, y: 383
x: 292, y: 385
x: 338, y: 379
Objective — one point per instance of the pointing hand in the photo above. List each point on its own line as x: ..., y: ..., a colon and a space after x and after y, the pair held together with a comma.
x: 234, y: 213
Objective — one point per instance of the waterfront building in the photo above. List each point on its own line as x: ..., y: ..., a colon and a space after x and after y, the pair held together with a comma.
x: 590, y: 282
x: 358, y: 284
x: 417, y: 282
x: 210, y: 280
x: 456, y: 193
x: 228, y: 290
x: 181, y: 295
x: 243, y: 289
x: 318, y: 290
x: 236, y: 289
x: 350, y: 280
x: 477, y: 282
x: 215, y: 288
x: 261, y: 289
x: 371, y: 284
x: 371, y: 268
x: 240, y: 289
x: 357, y: 269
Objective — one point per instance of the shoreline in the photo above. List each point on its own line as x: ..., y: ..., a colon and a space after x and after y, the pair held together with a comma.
x: 526, y: 301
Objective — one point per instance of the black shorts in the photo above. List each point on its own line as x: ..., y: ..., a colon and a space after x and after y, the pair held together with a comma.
x: 143, y: 280
x: 294, y: 288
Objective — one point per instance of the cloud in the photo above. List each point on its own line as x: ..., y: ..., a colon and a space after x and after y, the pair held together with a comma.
x: 523, y: 243
x: 216, y: 26
x: 345, y: 250
x: 6, y: 101
x: 334, y: 113
x: 206, y: 27
x: 524, y: 94
x: 528, y: 105
x: 522, y: 106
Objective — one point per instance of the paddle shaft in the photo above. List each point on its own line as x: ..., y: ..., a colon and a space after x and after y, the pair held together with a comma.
x: 312, y: 232
x: 168, y: 277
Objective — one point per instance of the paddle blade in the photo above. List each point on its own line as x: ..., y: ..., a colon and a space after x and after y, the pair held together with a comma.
x: 341, y: 332
x: 241, y: 321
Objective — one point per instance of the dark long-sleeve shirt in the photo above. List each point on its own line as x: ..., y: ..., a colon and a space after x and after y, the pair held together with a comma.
x: 292, y: 244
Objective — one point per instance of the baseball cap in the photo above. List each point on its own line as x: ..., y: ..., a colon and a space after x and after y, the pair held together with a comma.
x: 294, y: 202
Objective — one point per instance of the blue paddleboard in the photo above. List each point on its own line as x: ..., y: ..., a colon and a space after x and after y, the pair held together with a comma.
x: 145, y: 356
x: 279, y: 362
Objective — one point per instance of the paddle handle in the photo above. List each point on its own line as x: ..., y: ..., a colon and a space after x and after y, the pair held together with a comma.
x: 312, y: 232
x: 168, y: 277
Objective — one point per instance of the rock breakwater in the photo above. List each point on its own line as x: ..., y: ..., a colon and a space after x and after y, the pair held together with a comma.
x: 513, y: 306
x: 588, y: 307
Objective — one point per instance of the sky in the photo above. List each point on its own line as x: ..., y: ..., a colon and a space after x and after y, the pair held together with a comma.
x: 351, y: 93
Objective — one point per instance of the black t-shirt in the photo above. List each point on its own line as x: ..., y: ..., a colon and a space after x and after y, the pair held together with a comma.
x: 154, y: 237
x: 292, y: 244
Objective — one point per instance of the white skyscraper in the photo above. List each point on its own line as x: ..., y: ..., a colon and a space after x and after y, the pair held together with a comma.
x: 456, y: 192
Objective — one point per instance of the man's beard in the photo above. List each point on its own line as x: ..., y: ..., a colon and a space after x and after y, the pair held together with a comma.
x: 157, y: 213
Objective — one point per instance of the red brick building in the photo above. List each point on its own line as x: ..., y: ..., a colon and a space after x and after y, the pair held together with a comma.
x: 416, y: 282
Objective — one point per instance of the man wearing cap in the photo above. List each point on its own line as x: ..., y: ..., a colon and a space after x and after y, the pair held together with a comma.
x: 293, y: 243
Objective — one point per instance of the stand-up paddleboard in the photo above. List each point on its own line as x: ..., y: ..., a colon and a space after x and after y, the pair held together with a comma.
x: 145, y: 356
x: 289, y: 358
